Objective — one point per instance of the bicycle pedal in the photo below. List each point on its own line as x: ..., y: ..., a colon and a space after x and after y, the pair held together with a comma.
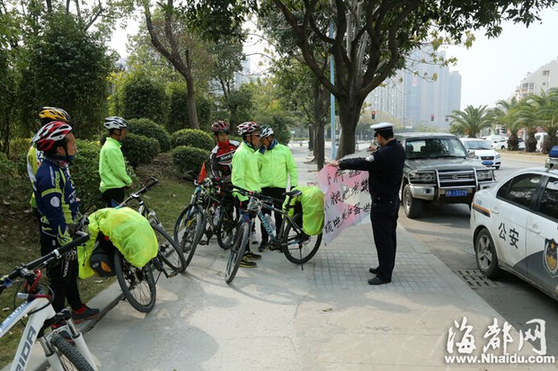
x: 203, y: 243
x: 173, y: 273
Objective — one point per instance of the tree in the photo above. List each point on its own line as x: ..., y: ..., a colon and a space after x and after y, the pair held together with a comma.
x: 470, y: 121
x: 546, y: 111
x: 66, y: 67
x: 506, y: 115
x: 142, y: 97
x: 527, y: 115
x: 174, y: 42
x: 372, y: 39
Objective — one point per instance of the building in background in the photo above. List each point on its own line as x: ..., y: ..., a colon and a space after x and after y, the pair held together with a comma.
x: 543, y: 79
x: 413, y: 97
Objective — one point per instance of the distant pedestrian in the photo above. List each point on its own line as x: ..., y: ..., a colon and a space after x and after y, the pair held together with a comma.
x: 385, y: 169
x: 112, y: 166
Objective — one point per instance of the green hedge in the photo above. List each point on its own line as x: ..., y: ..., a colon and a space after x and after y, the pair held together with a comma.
x: 85, y: 174
x: 189, y: 160
x: 150, y: 129
x: 140, y: 150
x: 193, y: 138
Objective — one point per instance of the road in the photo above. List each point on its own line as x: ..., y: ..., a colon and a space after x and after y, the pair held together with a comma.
x: 444, y: 229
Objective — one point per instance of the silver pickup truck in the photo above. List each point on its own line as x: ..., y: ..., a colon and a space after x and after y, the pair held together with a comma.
x: 439, y: 169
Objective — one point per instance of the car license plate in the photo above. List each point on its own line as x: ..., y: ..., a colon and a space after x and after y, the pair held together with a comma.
x: 487, y: 162
x: 456, y: 193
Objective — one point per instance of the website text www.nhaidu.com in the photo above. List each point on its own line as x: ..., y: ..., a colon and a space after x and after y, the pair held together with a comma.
x: 500, y: 359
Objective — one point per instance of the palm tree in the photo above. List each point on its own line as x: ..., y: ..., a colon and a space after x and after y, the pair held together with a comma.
x: 505, y: 114
x: 527, y: 115
x: 546, y: 112
x: 470, y: 121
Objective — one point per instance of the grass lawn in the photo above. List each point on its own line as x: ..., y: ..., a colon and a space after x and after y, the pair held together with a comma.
x: 19, y: 236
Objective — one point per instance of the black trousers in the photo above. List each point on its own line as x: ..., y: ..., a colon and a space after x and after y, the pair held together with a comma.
x: 383, y: 215
x: 62, y: 278
x: 114, y: 197
x: 278, y: 194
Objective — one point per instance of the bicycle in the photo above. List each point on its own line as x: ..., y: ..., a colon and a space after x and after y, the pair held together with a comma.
x: 297, y: 246
x: 138, y: 284
x: 37, y: 307
x: 210, y: 212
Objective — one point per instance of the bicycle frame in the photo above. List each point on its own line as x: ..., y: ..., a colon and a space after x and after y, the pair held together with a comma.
x: 40, y: 311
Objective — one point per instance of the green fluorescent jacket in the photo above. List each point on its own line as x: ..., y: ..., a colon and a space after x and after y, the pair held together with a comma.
x: 275, y: 165
x: 245, y: 170
x: 112, y: 167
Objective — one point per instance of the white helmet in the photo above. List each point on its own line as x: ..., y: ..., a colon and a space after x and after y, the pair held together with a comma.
x: 266, y: 131
x: 115, y: 122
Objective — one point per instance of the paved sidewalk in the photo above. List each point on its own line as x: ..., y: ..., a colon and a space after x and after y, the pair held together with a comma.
x: 325, y: 317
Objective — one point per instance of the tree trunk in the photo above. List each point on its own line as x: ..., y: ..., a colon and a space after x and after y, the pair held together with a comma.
x: 321, y: 105
x: 192, y: 110
x: 311, y: 140
x: 349, y: 114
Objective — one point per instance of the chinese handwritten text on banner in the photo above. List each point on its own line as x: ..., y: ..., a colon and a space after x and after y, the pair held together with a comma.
x: 347, y: 201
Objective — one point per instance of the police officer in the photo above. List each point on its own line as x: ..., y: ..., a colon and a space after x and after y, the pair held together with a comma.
x: 385, y: 169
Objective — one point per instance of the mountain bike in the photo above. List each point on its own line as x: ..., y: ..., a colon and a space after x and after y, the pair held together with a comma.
x: 210, y: 212
x: 297, y: 246
x: 138, y: 284
x: 37, y: 308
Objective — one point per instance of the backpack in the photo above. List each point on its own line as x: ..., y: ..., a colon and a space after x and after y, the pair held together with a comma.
x: 102, y: 257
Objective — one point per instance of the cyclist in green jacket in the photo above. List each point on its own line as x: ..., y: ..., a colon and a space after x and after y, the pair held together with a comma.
x: 245, y: 174
x: 276, y: 165
x: 112, y: 167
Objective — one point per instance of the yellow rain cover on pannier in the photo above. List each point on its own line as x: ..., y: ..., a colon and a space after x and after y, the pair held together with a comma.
x: 312, y: 202
x: 128, y: 231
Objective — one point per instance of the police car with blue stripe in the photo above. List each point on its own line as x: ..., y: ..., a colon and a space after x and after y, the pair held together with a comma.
x: 514, y: 226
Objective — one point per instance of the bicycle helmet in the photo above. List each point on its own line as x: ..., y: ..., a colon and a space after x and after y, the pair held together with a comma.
x: 266, y: 131
x: 247, y: 127
x: 220, y: 127
x: 54, y: 114
x: 115, y: 122
x: 50, y: 134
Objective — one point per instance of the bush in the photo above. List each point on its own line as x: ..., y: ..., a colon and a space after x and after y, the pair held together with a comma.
x: 8, y: 169
x: 189, y: 160
x: 193, y: 138
x: 85, y: 174
x: 139, y: 150
x: 150, y: 129
x: 143, y: 96
x: 19, y: 147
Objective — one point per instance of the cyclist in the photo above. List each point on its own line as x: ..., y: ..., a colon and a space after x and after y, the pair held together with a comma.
x: 245, y: 174
x: 34, y: 157
x: 222, y: 154
x: 58, y: 204
x: 276, y: 165
x: 112, y: 167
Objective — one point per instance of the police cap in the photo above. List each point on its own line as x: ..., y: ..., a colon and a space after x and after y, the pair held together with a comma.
x: 382, y: 127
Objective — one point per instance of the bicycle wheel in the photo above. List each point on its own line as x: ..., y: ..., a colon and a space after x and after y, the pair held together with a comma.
x: 70, y: 357
x: 237, y: 251
x: 300, y: 247
x: 137, y: 284
x: 226, y: 228
x: 189, y: 229
x: 170, y: 252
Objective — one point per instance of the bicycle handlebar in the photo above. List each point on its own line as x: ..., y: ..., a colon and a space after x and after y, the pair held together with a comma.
x: 43, y: 261
x: 140, y: 192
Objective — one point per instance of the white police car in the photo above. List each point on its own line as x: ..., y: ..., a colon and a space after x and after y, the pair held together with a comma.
x: 514, y: 226
x: 483, y: 151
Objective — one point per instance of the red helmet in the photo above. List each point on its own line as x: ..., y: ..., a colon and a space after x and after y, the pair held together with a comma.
x: 51, y: 133
x: 220, y: 127
x: 247, y: 127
